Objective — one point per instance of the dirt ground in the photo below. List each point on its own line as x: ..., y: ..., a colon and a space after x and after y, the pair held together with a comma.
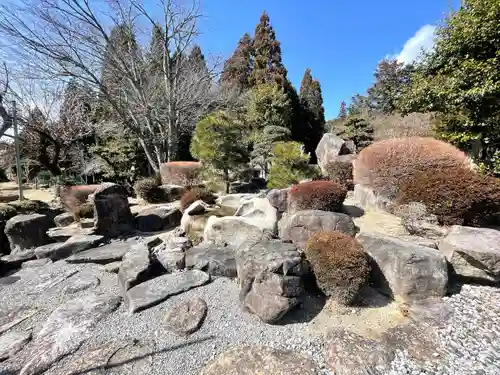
x: 9, y: 189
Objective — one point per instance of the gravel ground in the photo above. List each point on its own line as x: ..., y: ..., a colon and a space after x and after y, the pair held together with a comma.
x: 467, y: 343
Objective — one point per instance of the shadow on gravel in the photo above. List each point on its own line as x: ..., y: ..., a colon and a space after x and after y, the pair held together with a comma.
x: 8, y: 372
x: 353, y: 211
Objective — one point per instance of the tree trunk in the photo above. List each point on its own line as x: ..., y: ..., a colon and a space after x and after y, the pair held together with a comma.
x: 226, y: 180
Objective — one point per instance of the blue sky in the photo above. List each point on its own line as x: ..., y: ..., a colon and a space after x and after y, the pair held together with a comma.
x: 341, y: 41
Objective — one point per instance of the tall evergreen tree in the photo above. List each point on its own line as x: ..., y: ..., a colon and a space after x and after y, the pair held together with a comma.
x: 268, y: 66
x: 238, y: 67
x: 343, y: 111
x: 311, y: 101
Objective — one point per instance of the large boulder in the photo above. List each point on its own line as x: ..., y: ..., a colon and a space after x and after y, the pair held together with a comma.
x: 73, y: 245
x: 403, y: 269
x: 270, y: 274
x: 158, y: 218
x: 193, y: 218
x: 135, y: 267
x: 368, y: 199
x: 419, y: 222
x: 109, y: 253
x: 171, y: 254
x: 27, y: 231
x: 231, y: 202
x: 330, y: 147
x: 473, y: 252
x: 216, y: 260
x: 112, y: 211
x: 64, y: 219
x: 259, y: 212
x: 299, y: 226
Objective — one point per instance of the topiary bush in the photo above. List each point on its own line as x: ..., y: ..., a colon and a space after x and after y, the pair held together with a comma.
x: 457, y: 196
x: 184, y: 173
x: 340, y: 170
x: 317, y: 195
x: 339, y: 263
x: 196, y: 194
x: 383, y: 164
x: 150, y: 191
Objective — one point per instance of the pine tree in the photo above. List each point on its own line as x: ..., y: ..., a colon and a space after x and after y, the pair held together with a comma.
x: 268, y: 65
x: 343, y: 111
x: 358, y: 130
x: 313, y: 113
x: 238, y: 67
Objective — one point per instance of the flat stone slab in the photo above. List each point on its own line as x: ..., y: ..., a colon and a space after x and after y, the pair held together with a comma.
x: 159, y: 289
x: 13, y: 261
x: 112, y: 252
x: 11, y: 318
x: 187, y: 317
x: 113, y: 267
x: 214, y: 259
x: 65, y: 233
x: 12, y: 342
x: 247, y: 360
x: 73, y: 245
x: 66, y: 329
x: 80, y: 283
x: 36, y: 263
x: 135, y: 266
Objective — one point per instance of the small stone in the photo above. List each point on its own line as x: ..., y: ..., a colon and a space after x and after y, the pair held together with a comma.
x: 187, y: 317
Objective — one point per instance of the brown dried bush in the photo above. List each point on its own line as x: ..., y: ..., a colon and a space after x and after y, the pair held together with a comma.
x: 383, y: 164
x: 72, y: 197
x: 150, y: 191
x: 339, y: 263
x: 340, y: 170
x: 84, y: 211
x: 196, y: 194
x: 457, y: 196
x: 184, y: 173
x: 317, y: 195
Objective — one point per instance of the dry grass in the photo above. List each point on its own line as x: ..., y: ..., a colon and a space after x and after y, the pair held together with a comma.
x: 396, y: 126
x: 184, y: 173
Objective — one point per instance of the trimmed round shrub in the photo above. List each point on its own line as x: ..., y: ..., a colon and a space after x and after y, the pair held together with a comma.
x: 150, y: 191
x: 383, y: 164
x: 196, y: 194
x: 184, y: 173
x: 339, y: 263
x: 317, y: 195
x: 340, y: 170
x: 457, y: 196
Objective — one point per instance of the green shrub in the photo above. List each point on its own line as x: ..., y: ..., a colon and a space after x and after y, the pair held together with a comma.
x: 7, y: 211
x: 29, y: 206
x: 150, y: 191
x: 457, y: 196
x: 196, y: 194
x: 289, y: 165
x: 317, y: 195
x: 340, y: 170
x: 339, y: 263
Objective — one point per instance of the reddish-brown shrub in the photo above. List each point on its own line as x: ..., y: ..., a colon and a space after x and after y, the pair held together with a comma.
x: 72, y: 197
x: 383, y: 164
x: 339, y: 263
x: 457, y: 196
x: 317, y: 195
x: 196, y: 194
x: 184, y: 173
x: 340, y: 170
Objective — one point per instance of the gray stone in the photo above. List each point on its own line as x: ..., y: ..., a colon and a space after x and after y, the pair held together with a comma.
x: 81, y: 283
x: 422, y: 241
x: 36, y: 263
x: 214, y: 259
x: 65, y: 233
x: 135, y: 267
x: 113, y: 267
x: 14, y: 261
x: 259, y: 212
x: 233, y: 201
x: 109, y: 253
x: 11, y: 318
x: 350, y: 354
x: 157, y: 290
x: 189, y: 221
x: 279, y: 199
x: 64, y: 219
x: 158, y: 218
x: 473, y: 252
x: 73, y: 245
x: 112, y: 211
x: 27, y: 231
x: 247, y: 360
x: 371, y: 201
x: 299, y: 226
x: 404, y: 269
x: 171, y: 254
x: 330, y: 147
x: 66, y: 329
x: 12, y: 342
x: 187, y: 317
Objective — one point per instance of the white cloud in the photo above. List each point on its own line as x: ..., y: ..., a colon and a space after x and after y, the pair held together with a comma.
x: 422, y: 40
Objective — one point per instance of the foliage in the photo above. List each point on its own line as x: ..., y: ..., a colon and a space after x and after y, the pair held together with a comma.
x: 84, y: 211
x: 343, y: 111
x: 340, y: 170
x: 460, y: 79
x: 457, y: 196
x: 150, y: 191
x: 317, y: 195
x: 384, y: 163
x: 358, y: 130
x: 238, y: 67
x: 7, y: 211
x: 196, y: 194
x: 29, y: 206
x: 289, y: 165
x: 339, y: 263
x: 218, y: 144
x: 183, y: 173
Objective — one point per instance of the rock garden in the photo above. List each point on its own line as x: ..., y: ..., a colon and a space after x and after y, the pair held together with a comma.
x: 388, y: 264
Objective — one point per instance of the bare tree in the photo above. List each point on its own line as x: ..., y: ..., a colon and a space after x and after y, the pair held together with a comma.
x: 71, y: 38
x: 4, y: 114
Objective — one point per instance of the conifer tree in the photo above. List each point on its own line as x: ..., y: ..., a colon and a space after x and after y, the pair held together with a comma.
x: 343, y: 111
x: 238, y: 67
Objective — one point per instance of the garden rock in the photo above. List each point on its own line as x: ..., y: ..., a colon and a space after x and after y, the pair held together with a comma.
x: 80, y: 283
x: 189, y: 217
x: 66, y: 329
x: 233, y: 201
x: 12, y: 342
x: 64, y: 219
x: 419, y: 222
x: 135, y: 267
x: 14, y: 261
x: 330, y: 147
x: 187, y: 317
x: 109, y: 253
x: 158, y: 218
x: 299, y: 226
x: 36, y: 263
x: 404, y: 269
x: 369, y: 200
x: 214, y: 259
x: 259, y: 212
x: 473, y: 252
x: 247, y: 360
x: 279, y: 199
x: 173, y: 192
x: 65, y: 233
x: 27, y: 231
x: 171, y: 254
x: 72, y: 246
x: 270, y: 274
x: 159, y: 289
x: 112, y: 211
